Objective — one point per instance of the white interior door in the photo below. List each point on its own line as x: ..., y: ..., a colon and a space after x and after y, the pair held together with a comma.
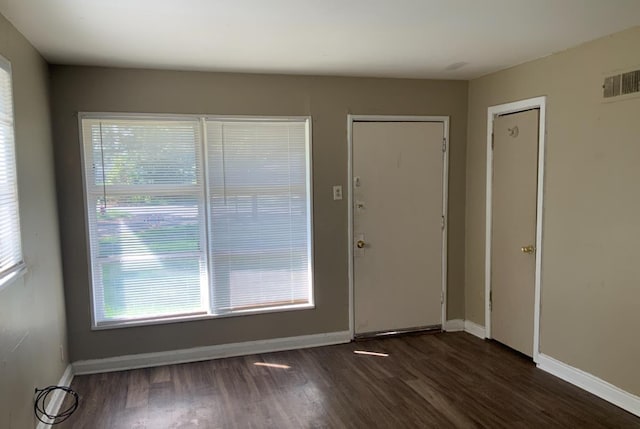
x: 398, y: 225
x: 513, y: 230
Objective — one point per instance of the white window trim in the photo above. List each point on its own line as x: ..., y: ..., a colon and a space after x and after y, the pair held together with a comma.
x: 97, y: 326
x: 10, y: 276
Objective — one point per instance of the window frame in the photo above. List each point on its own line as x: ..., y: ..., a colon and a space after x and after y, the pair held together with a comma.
x: 8, y: 276
x: 202, y: 119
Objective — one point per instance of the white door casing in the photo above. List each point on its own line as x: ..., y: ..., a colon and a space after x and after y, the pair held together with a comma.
x: 492, y: 113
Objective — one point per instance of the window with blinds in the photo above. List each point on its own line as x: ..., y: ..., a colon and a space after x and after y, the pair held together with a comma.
x: 11, y: 261
x: 197, y: 217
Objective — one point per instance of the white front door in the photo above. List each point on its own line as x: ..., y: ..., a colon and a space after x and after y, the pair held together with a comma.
x: 398, y: 225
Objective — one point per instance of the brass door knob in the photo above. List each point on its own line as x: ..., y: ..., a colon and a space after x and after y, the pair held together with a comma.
x: 360, y: 244
x: 528, y: 249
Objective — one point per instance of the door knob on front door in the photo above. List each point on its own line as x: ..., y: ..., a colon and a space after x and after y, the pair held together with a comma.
x: 528, y: 249
x: 360, y: 244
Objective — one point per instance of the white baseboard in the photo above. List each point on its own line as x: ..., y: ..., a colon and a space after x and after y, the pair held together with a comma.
x: 146, y: 360
x: 57, y: 397
x: 457, y: 325
x: 475, y: 329
x: 590, y: 383
x: 454, y: 325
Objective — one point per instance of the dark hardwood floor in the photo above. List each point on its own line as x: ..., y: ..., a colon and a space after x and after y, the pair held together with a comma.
x: 442, y: 380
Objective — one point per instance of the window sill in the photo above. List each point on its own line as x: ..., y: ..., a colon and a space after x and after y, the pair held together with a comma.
x: 194, y: 317
x: 12, y: 275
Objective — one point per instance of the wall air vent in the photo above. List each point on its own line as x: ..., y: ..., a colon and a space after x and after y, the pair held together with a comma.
x: 631, y: 82
x: 621, y: 85
x: 611, y: 87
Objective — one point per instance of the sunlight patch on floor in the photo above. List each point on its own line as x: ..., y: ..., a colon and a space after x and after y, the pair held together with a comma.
x: 368, y: 353
x: 272, y: 365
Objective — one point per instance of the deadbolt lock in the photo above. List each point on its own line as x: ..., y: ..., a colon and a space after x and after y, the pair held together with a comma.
x: 360, y: 244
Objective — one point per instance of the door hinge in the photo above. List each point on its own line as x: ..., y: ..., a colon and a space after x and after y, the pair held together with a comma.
x: 490, y: 300
x: 444, y: 145
x: 441, y: 297
x: 492, y: 141
x: 442, y: 222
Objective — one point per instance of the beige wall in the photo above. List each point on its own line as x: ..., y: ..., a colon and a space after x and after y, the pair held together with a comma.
x: 590, y: 269
x: 32, y: 321
x: 328, y: 101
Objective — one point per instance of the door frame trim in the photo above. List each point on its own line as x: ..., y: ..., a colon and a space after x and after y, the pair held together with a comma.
x: 445, y: 200
x: 492, y: 113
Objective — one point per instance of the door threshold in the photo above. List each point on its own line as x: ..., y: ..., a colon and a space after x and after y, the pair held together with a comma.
x: 398, y: 332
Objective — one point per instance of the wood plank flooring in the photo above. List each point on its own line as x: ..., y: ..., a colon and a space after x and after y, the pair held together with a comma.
x: 443, y: 380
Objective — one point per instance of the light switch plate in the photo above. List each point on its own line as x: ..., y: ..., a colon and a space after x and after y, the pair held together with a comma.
x: 337, y: 192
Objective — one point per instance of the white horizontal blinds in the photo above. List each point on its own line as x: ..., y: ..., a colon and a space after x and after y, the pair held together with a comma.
x: 152, y: 255
x: 10, y: 246
x: 146, y: 212
x: 259, y: 214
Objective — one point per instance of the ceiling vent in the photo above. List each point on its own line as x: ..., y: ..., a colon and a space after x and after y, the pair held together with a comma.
x: 621, y: 85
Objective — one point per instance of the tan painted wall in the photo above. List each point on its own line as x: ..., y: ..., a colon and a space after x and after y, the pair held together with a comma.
x: 590, y: 279
x: 328, y: 100
x: 32, y: 321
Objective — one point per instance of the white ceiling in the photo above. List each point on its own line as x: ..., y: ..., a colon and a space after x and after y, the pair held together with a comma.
x: 455, y: 39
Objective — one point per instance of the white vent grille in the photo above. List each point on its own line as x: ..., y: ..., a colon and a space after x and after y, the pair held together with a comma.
x: 621, y: 84
x: 611, y: 86
x: 631, y: 82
